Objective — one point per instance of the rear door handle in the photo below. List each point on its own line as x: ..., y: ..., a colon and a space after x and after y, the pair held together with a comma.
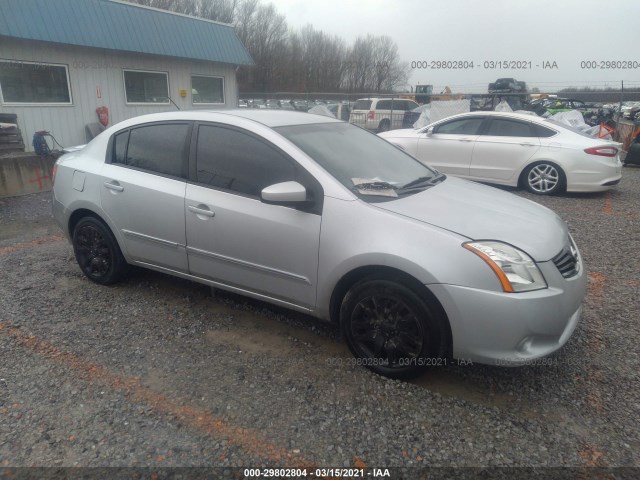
x: 114, y: 186
x: 201, y: 210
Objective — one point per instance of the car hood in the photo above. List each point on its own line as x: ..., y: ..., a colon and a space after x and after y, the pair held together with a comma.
x: 479, y: 212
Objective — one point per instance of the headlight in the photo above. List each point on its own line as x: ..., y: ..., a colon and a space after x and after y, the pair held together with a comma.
x: 515, y: 269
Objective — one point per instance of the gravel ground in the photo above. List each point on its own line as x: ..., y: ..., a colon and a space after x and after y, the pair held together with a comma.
x: 157, y: 371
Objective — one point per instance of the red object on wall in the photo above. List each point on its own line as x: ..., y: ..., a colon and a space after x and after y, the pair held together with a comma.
x: 103, y: 115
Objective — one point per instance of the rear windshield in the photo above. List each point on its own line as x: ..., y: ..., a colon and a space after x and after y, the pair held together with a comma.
x: 568, y: 127
x: 362, y: 105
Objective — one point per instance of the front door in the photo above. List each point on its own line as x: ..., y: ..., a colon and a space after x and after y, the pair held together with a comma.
x: 236, y: 239
x: 449, y: 147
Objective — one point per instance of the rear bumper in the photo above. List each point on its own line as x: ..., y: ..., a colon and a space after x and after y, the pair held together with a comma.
x: 602, y: 176
x: 61, y: 216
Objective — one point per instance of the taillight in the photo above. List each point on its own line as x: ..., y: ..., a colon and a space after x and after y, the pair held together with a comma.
x: 54, y: 170
x: 602, y: 151
x: 371, y: 115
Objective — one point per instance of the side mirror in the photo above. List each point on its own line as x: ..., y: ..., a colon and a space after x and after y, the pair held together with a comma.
x: 429, y: 131
x: 284, y: 193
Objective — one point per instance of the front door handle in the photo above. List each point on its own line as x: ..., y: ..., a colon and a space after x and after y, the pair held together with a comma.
x: 114, y: 186
x: 527, y: 144
x: 201, y: 210
x: 465, y: 140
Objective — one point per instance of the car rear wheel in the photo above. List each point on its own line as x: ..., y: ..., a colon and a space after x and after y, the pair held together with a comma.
x: 97, y: 251
x: 390, y: 329
x: 384, y: 126
x: 544, y: 178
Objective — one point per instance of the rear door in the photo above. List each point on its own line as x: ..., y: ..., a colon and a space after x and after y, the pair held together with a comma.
x: 142, y: 191
x: 449, y: 147
x: 502, y: 149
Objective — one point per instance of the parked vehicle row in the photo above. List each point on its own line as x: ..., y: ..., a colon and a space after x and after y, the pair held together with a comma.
x: 323, y: 217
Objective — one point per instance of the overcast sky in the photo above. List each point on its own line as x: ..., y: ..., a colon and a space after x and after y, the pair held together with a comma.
x: 566, y: 32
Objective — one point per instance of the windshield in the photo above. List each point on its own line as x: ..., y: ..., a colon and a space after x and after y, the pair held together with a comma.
x: 360, y: 160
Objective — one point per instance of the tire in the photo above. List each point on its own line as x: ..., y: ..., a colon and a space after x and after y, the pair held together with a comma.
x: 543, y: 178
x: 97, y: 251
x: 390, y: 329
x: 384, y: 126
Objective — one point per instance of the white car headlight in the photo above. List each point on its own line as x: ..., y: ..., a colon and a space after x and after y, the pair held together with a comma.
x: 515, y: 269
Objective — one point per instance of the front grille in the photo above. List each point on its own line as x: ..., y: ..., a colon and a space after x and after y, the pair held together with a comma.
x: 567, y: 261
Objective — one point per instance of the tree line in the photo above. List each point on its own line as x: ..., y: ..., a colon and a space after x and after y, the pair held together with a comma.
x: 298, y: 60
x: 604, y: 95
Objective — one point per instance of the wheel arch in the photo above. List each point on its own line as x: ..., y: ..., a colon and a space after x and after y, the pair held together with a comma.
x: 81, y: 212
x: 350, y: 278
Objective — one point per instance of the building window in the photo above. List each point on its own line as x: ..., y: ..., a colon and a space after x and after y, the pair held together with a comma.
x: 146, y: 87
x: 36, y: 83
x: 207, y: 90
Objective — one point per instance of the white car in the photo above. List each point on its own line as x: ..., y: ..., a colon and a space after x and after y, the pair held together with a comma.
x: 380, y: 114
x: 514, y: 149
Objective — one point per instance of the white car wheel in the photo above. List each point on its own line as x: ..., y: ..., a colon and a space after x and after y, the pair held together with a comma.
x: 543, y: 178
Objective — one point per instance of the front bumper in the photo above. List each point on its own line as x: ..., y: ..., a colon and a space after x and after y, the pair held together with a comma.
x: 512, y: 329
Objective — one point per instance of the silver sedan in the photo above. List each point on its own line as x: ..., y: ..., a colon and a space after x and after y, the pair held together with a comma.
x: 320, y: 216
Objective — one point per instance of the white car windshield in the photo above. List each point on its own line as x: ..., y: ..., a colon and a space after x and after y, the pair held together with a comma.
x: 360, y: 160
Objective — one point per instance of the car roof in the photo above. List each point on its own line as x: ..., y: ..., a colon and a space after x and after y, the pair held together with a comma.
x: 269, y: 118
x: 514, y: 115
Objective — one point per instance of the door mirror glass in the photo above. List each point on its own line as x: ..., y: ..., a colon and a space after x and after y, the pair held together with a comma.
x: 284, y: 193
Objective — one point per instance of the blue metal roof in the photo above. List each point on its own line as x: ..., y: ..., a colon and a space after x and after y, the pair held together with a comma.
x: 121, y: 26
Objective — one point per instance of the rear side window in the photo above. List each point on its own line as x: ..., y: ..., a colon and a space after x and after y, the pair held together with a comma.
x: 384, y: 105
x: 409, y: 105
x: 499, y: 127
x: 120, y: 147
x: 157, y: 148
x: 463, y: 126
x: 543, y: 131
x: 362, y: 105
x: 236, y: 161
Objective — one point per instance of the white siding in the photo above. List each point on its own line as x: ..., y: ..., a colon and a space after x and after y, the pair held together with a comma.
x: 91, y: 68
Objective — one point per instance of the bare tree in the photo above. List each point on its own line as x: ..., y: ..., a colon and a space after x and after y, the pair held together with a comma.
x: 305, y: 60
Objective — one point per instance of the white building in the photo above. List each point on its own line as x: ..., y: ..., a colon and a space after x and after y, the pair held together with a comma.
x: 61, y: 60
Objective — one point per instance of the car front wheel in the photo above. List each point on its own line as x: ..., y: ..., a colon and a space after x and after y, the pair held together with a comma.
x: 391, y: 329
x: 97, y: 251
x: 543, y: 178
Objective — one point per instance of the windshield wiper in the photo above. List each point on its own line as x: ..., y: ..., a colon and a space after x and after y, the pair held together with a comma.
x: 422, y: 182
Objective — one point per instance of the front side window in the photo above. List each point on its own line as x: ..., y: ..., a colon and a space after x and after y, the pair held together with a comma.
x: 156, y: 148
x: 508, y: 128
x: 463, y: 126
x: 233, y: 160
x: 207, y: 90
x: 24, y: 82
x: 146, y: 87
